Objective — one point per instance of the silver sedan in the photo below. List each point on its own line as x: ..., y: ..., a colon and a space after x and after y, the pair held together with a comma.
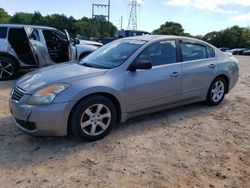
x: 121, y: 80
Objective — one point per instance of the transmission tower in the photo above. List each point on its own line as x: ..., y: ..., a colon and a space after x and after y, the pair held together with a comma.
x: 132, y: 23
x: 101, y: 6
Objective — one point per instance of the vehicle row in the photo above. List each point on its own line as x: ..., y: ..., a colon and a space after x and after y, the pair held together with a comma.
x: 237, y: 51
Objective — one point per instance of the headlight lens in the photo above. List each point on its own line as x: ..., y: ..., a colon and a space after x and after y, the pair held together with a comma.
x: 47, y: 95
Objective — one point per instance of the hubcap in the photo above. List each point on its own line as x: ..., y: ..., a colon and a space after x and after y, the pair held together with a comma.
x: 95, y: 119
x: 6, y: 69
x: 218, y: 91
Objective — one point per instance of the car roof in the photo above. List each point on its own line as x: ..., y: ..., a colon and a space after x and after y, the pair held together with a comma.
x: 148, y: 38
x: 24, y: 25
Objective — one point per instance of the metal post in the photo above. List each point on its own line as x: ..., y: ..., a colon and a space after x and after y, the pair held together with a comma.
x: 121, y: 22
x: 108, y: 10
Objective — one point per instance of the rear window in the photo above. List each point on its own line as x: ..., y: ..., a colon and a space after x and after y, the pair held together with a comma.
x: 3, y: 32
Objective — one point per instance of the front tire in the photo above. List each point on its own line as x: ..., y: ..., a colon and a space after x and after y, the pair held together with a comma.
x: 93, y: 118
x: 216, y: 92
x: 8, y: 68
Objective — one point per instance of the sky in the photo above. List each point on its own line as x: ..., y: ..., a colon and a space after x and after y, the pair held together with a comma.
x: 196, y: 16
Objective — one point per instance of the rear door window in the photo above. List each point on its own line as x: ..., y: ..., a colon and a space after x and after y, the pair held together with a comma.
x: 192, y: 51
x: 210, y: 52
x: 3, y: 32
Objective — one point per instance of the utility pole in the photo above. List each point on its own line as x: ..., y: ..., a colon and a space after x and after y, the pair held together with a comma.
x: 121, y: 21
x: 95, y: 8
x: 132, y: 23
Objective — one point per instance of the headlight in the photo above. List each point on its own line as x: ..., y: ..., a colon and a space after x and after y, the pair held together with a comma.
x: 47, y: 95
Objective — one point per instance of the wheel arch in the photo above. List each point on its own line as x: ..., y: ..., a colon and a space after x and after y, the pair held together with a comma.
x: 226, y: 77
x: 7, y: 55
x: 111, y: 97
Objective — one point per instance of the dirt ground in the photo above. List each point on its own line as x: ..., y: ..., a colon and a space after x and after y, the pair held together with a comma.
x: 191, y: 146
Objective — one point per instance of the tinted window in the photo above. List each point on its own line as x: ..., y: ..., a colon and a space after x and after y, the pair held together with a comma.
x: 34, y: 35
x: 54, y: 36
x: 193, y: 51
x: 3, y: 32
x: 160, y: 53
x: 210, y: 52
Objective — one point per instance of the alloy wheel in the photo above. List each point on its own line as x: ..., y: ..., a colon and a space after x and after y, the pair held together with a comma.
x: 6, y: 69
x: 218, y: 90
x: 95, y: 119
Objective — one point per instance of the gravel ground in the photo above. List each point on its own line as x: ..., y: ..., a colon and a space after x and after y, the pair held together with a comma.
x: 190, y: 146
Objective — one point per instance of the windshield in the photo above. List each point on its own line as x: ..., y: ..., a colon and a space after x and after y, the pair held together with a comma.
x: 112, y: 55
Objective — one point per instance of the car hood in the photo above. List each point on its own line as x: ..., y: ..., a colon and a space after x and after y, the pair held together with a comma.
x: 61, y: 73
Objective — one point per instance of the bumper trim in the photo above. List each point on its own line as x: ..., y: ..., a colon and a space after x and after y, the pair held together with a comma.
x: 21, y: 127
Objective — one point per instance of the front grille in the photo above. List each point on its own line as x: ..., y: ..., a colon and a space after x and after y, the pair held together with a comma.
x: 26, y: 124
x: 17, y: 94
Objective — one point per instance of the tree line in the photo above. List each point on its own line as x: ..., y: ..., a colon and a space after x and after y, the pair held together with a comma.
x: 233, y: 37
x: 97, y: 27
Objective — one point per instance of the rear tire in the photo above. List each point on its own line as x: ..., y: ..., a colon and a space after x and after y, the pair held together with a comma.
x: 8, y: 68
x: 93, y: 118
x: 216, y: 92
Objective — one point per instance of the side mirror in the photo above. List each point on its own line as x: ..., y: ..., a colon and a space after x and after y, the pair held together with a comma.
x: 76, y: 41
x: 141, y: 65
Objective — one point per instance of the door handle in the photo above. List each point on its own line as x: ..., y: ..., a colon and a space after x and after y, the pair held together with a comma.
x: 212, y: 66
x: 174, y: 75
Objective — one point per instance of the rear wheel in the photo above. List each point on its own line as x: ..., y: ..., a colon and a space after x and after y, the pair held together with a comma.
x: 216, y: 91
x: 7, y: 68
x: 93, y: 118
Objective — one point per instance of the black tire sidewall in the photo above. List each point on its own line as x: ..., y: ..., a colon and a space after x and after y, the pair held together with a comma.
x: 14, y: 67
x: 79, y: 110
x: 209, y: 99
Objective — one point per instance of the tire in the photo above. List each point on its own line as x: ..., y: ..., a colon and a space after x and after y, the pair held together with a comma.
x: 87, y: 124
x: 216, y: 92
x: 8, y: 68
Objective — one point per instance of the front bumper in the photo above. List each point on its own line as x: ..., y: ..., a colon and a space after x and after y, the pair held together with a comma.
x: 50, y: 120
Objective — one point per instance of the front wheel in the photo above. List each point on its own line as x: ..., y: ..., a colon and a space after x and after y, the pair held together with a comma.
x: 216, y: 91
x: 7, y: 68
x: 93, y: 118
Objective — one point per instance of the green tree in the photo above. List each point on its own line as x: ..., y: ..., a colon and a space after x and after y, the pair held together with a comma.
x: 170, y: 28
x: 22, y: 18
x: 37, y: 19
x: 4, y: 17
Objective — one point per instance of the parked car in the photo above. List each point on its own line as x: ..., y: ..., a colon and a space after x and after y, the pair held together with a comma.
x: 27, y: 46
x: 224, y: 49
x: 246, y: 52
x: 237, y: 51
x: 93, y: 43
x: 129, y: 33
x: 121, y: 80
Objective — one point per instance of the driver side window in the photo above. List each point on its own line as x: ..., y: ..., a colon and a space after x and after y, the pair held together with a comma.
x: 160, y: 53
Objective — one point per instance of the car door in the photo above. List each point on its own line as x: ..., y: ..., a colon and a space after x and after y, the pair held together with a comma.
x: 39, y: 47
x: 57, y: 45
x: 158, y: 86
x: 71, y: 46
x: 198, y: 67
x: 22, y: 46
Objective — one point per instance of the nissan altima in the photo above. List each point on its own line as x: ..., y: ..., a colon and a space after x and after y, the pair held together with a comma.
x: 123, y: 79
